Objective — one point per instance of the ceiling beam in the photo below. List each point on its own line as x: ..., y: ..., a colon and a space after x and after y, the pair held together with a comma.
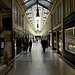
x: 43, y: 5
x: 36, y: 3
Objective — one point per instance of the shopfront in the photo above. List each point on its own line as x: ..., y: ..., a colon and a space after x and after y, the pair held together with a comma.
x: 54, y: 40
x: 59, y: 43
x: 18, y: 42
x: 70, y: 40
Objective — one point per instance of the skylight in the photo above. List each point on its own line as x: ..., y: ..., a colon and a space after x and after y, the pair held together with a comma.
x: 25, y: 0
x: 49, y: 0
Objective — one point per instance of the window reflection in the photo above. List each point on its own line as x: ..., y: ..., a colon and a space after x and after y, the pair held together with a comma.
x: 70, y: 40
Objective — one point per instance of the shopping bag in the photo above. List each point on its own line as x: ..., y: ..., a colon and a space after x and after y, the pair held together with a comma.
x: 29, y: 50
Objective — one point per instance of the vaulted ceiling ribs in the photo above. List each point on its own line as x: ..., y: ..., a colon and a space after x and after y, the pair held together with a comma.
x: 44, y: 3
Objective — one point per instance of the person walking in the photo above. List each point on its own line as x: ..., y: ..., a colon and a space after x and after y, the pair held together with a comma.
x: 30, y: 44
x: 26, y: 46
x: 43, y: 45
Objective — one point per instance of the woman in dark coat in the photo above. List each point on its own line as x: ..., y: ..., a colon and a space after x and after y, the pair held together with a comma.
x: 26, y: 44
x: 30, y: 44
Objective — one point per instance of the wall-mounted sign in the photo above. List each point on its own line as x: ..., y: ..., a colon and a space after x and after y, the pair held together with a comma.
x: 1, y: 47
x: 2, y: 44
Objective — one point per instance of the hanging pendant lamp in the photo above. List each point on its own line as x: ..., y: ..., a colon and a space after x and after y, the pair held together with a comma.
x: 37, y: 14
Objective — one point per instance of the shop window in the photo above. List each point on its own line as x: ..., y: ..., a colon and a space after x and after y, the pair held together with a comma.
x: 70, y: 40
x: 54, y: 41
x: 54, y: 37
x: 15, y: 15
x: 59, y: 13
x: 60, y: 42
x: 19, y: 18
x: 53, y: 19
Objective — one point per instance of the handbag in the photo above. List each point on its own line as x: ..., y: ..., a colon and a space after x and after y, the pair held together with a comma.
x: 29, y: 50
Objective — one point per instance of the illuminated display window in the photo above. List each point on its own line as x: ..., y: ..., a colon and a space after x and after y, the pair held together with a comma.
x: 54, y: 41
x: 60, y: 50
x: 70, y: 40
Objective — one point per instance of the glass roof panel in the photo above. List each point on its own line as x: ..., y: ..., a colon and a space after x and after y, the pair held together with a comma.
x: 28, y: 4
x: 45, y: 3
x: 31, y: 14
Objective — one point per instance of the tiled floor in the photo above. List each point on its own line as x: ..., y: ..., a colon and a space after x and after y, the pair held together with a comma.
x: 39, y: 63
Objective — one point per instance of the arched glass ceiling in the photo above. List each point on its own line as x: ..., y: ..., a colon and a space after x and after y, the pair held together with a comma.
x: 29, y: 4
x: 44, y: 9
x: 31, y: 14
x: 43, y: 3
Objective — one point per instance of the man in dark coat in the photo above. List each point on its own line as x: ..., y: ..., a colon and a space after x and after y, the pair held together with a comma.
x: 26, y: 44
x: 44, y: 45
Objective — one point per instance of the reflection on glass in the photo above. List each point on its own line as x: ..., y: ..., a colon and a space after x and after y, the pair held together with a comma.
x: 70, y: 40
x: 54, y: 41
x: 60, y: 42
x: 15, y: 15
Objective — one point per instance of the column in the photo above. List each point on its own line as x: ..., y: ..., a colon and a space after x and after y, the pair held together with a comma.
x: 13, y: 32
